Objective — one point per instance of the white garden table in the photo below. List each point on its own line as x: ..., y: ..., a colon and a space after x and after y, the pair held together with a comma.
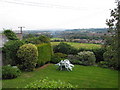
x: 66, y: 64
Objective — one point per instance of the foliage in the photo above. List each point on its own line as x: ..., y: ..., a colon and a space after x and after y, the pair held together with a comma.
x: 103, y: 64
x: 57, y: 57
x: 38, y: 40
x: 9, y: 72
x: 10, y: 35
x: 87, y: 57
x: 44, y: 53
x: 97, y: 51
x: 112, y: 39
x: 27, y: 55
x: 47, y: 83
x: 65, y: 48
x: 110, y: 58
x: 74, y: 59
x: 9, y: 52
x: 99, y: 54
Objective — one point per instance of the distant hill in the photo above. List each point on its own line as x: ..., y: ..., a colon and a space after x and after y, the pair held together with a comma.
x: 90, y: 30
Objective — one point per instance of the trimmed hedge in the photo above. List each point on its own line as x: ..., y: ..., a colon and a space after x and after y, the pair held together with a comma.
x: 28, y: 55
x: 44, y: 53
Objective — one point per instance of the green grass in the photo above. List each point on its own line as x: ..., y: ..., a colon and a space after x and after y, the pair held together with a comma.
x: 56, y: 39
x: 83, y: 76
x: 80, y: 45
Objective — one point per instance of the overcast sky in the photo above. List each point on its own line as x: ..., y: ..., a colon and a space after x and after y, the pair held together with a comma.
x: 54, y: 14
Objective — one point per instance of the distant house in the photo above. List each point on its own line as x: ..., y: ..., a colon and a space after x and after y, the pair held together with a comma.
x: 3, y: 38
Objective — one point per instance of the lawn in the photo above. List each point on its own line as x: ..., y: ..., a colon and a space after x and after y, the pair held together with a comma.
x: 80, y: 45
x: 83, y: 76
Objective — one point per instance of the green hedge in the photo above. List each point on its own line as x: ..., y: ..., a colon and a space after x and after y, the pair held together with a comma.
x: 44, y: 53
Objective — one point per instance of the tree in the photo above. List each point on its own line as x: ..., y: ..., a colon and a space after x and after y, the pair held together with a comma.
x: 10, y: 35
x: 113, y: 46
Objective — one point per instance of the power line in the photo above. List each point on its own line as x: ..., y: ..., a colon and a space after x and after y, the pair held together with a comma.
x: 38, y: 4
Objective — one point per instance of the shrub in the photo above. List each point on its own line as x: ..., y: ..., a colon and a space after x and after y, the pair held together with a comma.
x: 110, y: 58
x: 38, y: 40
x: 103, y: 64
x: 98, y: 53
x: 65, y: 48
x: 9, y: 72
x: 46, y: 83
x: 74, y: 59
x: 87, y: 57
x: 57, y: 57
x: 9, y: 52
x: 44, y: 53
x: 10, y: 35
x: 28, y: 55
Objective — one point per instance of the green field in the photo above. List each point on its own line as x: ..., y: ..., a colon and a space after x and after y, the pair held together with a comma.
x: 83, y: 76
x: 80, y: 45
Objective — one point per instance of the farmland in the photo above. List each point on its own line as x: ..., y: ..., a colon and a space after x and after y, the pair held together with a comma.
x: 80, y: 45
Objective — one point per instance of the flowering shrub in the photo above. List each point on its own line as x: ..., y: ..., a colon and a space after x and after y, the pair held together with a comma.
x: 87, y: 58
x: 9, y: 72
x: 46, y: 83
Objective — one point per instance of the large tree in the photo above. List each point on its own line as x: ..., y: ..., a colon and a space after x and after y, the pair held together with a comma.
x: 113, y: 39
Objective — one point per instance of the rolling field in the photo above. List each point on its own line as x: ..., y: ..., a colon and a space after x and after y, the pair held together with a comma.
x: 83, y: 76
x: 80, y: 45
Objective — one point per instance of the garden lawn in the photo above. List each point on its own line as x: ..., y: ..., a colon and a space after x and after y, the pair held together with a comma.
x: 83, y: 76
x: 80, y: 45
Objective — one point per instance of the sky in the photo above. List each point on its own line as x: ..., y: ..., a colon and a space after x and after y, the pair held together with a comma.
x: 54, y: 14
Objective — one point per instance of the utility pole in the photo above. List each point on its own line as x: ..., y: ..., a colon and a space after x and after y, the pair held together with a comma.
x: 21, y: 29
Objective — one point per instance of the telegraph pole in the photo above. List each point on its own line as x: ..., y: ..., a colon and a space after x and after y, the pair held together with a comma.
x: 21, y: 29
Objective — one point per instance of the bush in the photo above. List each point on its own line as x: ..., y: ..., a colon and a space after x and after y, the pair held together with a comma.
x: 46, y: 83
x: 65, y: 48
x: 110, y: 58
x: 38, y: 40
x: 87, y: 57
x: 9, y: 72
x: 9, y: 52
x: 10, y: 35
x: 28, y: 55
x: 44, y: 53
x: 98, y: 53
x: 74, y: 59
x: 103, y: 64
x: 57, y: 57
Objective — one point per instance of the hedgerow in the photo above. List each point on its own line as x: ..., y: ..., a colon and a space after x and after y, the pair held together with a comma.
x: 44, y: 53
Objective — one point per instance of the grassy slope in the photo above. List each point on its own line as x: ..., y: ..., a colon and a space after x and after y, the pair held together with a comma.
x: 83, y: 76
x: 80, y: 45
